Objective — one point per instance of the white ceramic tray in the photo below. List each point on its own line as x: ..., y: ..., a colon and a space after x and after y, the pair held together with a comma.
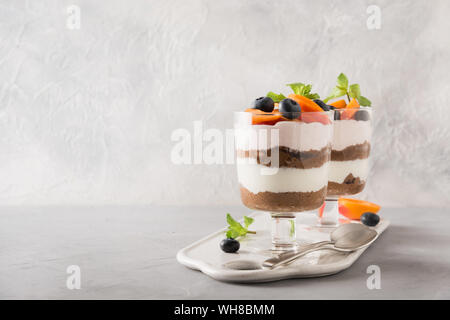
x: 205, y: 255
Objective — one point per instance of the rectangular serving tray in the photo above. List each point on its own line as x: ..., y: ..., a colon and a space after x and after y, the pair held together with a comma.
x: 206, y: 256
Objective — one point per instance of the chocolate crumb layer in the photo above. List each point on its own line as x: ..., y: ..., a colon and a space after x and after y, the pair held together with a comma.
x: 289, y: 158
x: 283, y: 201
x: 351, y: 185
x: 353, y: 152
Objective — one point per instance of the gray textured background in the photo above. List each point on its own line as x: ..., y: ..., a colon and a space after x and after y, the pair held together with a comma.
x: 86, y: 115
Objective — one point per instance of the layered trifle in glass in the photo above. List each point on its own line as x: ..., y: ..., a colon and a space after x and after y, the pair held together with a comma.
x: 283, y: 155
x: 350, y: 150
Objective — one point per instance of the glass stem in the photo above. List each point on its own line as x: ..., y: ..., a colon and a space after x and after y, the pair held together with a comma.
x: 283, y: 231
x: 330, y: 215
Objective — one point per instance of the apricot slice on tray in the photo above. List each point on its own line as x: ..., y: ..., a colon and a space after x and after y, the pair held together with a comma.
x: 307, y: 105
x: 339, y: 104
x: 261, y: 117
x: 354, y: 208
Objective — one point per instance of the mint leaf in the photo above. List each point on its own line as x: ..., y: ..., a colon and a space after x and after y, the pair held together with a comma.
x: 248, y: 221
x: 342, y: 89
x: 354, y: 91
x: 234, y: 225
x: 232, y: 234
x: 297, y: 87
x: 336, y: 93
x: 275, y: 97
x: 303, y: 90
x: 342, y: 81
x: 312, y: 96
x: 363, y: 101
x: 235, y: 229
x: 292, y: 230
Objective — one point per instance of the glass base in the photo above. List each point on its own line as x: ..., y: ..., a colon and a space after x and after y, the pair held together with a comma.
x: 329, y: 217
x: 284, y: 234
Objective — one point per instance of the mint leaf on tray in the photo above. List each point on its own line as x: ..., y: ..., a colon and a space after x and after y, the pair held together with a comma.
x: 235, y: 229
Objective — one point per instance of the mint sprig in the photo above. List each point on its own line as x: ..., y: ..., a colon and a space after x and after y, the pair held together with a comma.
x: 275, y: 97
x: 235, y: 229
x: 298, y: 88
x: 343, y: 89
x: 303, y: 90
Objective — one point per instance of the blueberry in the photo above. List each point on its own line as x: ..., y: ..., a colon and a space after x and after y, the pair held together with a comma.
x: 362, y: 115
x: 337, y: 115
x: 290, y: 109
x: 322, y: 104
x: 229, y: 245
x: 370, y: 219
x: 263, y: 103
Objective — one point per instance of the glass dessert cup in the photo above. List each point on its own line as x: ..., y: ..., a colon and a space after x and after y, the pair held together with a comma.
x: 349, y: 166
x: 282, y: 167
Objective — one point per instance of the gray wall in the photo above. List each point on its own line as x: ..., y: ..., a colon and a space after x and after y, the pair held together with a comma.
x: 86, y: 115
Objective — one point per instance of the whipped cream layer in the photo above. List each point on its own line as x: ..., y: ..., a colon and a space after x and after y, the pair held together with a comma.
x: 291, y: 134
x: 258, y: 178
x: 339, y: 170
x: 350, y: 132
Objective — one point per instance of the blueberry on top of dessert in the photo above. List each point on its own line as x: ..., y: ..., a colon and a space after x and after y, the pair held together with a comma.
x: 265, y: 104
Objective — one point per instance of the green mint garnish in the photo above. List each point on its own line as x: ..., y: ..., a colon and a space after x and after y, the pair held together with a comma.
x: 342, y: 81
x: 276, y: 97
x: 298, y: 88
x: 292, y: 231
x: 343, y: 89
x: 235, y: 229
x: 303, y: 90
x: 363, y: 101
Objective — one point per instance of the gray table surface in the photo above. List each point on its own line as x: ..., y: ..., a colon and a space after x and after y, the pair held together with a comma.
x: 129, y: 253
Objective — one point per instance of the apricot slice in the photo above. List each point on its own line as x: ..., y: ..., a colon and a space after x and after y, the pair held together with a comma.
x: 354, y: 208
x: 315, y: 117
x: 261, y: 117
x: 348, y: 114
x: 307, y: 105
x: 350, y: 110
x: 353, y: 104
x: 339, y: 104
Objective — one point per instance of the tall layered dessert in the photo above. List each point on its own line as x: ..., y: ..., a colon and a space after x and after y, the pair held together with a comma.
x: 283, y: 154
x: 349, y: 165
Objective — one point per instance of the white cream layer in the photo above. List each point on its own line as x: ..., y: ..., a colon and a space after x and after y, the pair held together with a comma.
x: 339, y: 170
x: 350, y: 132
x: 257, y: 178
x: 292, y: 134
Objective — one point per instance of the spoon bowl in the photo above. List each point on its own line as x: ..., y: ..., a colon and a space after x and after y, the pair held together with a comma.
x: 345, y: 238
x: 352, y: 236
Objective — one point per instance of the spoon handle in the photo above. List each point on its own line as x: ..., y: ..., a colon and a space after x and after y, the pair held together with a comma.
x: 292, y: 255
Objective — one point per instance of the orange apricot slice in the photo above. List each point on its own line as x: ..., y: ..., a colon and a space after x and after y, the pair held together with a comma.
x: 339, y: 104
x: 261, y: 117
x: 315, y: 117
x: 350, y: 110
x: 353, y: 104
x: 354, y: 208
x: 347, y: 114
x: 307, y: 105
